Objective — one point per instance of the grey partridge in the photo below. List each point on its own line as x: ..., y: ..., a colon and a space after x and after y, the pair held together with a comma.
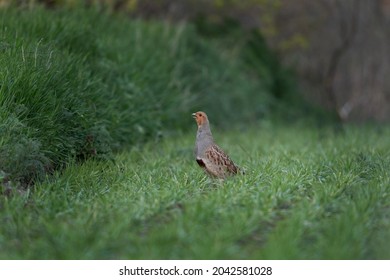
x: 213, y: 160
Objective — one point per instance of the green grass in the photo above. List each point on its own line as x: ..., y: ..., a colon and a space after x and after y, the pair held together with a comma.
x: 308, y: 193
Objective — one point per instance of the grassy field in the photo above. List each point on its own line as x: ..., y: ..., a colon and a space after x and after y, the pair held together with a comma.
x: 96, y: 148
x: 308, y: 193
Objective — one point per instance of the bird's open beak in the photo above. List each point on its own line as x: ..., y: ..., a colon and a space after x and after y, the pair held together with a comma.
x: 194, y: 115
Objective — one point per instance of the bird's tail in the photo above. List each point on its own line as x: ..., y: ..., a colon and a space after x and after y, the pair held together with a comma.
x: 240, y: 170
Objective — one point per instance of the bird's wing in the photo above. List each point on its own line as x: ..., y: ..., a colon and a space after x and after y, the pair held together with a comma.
x: 208, y: 166
x: 218, y: 157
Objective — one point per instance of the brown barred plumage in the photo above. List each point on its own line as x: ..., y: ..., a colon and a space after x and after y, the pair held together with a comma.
x: 209, y: 156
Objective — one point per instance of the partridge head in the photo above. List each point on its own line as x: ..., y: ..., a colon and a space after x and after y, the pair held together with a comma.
x: 214, y: 161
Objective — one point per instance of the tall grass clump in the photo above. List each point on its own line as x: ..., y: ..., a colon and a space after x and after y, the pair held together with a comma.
x: 79, y: 84
x: 44, y: 117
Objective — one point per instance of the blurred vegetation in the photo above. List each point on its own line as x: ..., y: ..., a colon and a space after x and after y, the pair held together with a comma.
x: 81, y: 84
x: 338, y: 48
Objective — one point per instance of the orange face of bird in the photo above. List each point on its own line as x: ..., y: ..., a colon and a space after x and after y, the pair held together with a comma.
x: 200, y: 117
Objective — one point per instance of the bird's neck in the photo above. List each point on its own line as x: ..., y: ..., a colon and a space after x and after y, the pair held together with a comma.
x: 204, y: 133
